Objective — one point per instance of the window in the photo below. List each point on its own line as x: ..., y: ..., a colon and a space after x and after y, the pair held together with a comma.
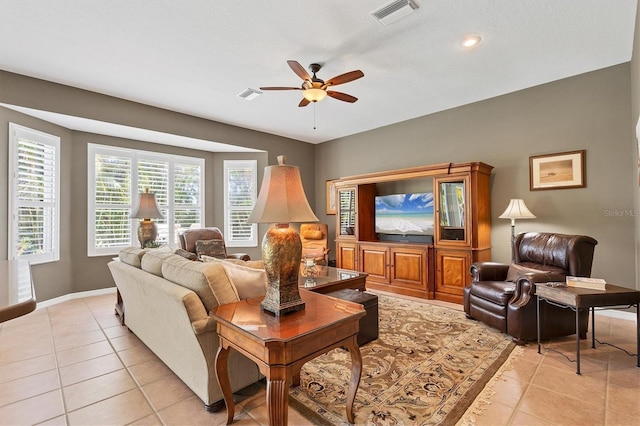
x: 240, y: 181
x: 118, y: 175
x: 34, y: 188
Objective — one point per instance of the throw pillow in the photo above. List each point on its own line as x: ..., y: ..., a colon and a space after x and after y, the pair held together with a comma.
x: 213, y: 248
x: 249, y: 282
x: 187, y: 254
x: 516, y: 271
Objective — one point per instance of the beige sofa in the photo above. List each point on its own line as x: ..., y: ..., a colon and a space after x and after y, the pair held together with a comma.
x: 167, y: 299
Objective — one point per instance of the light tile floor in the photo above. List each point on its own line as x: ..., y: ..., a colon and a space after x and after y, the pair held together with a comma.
x: 72, y: 363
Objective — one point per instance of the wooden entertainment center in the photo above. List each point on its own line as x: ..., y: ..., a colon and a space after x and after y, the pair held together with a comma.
x: 431, y: 270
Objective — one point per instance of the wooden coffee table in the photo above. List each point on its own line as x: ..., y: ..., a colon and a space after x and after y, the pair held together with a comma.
x: 281, y: 345
x: 331, y: 279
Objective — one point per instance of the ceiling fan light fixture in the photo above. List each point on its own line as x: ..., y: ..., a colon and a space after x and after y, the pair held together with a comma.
x: 314, y: 94
x: 470, y: 41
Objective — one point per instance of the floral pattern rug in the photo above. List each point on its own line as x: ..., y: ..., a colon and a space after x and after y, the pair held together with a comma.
x: 426, y: 368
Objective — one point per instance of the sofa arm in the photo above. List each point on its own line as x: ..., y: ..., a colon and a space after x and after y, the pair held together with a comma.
x: 489, y: 271
x: 204, y: 325
x: 241, y: 256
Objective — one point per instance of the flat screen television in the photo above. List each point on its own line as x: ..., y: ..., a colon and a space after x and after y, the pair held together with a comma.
x: 404, y: 214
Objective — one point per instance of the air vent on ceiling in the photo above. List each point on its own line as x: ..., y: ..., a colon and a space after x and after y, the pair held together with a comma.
x: 249, y: 94
x: 394, y: 10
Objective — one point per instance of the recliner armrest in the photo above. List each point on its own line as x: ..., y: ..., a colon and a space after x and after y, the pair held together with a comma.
x: 241, y: 256
x: 489, y: 271
x: 526, y: 286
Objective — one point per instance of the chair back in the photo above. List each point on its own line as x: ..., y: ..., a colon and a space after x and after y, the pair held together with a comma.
x: 189, y: 237
x: 566, y: 254
x: 315, y: 239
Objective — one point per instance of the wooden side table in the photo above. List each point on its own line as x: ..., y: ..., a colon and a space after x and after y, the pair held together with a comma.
x: 577, y: 298
x: 280, y: 346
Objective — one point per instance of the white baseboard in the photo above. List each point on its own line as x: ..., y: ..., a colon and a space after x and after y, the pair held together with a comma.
x: 614, y: 313
x: 72, y: 296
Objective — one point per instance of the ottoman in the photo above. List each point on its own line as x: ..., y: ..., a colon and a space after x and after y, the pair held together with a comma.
x: 368, y: 323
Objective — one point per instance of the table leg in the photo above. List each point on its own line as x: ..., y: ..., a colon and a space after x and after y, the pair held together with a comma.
x: 222, y: 373
x: 356, y: 372
x: 593, y: 327
x: 538, y: 320
x: 578, y: 339
x: 277, y: 396
x: 638, y: 334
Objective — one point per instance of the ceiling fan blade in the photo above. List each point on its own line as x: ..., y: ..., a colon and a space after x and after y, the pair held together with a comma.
x: 299, y: 70
x: 304, y: 102
x: 342, y: 96
x: 280, y: 88
x: 344, y: 78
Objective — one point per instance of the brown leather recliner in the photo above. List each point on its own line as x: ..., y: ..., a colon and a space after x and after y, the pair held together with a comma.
x: 189, y: 237
x: 314, y: 238
x: 503, y: 296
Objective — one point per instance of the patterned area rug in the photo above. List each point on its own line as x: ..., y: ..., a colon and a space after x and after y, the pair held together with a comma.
x: 426, y: 368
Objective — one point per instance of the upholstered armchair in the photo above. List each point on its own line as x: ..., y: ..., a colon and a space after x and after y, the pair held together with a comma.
x: 314, y: 237
x: 197, y: 241
x: 503, y: 296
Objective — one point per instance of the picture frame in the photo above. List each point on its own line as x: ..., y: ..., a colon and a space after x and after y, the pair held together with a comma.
x: 331, y: 196
x: 558, y: 171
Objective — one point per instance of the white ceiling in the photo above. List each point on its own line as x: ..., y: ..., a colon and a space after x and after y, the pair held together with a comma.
x: 195, y: 57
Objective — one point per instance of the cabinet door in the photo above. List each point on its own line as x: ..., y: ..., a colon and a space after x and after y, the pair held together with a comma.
x: 347, y: 256
x: 452, y: 271
x: 346, y: 215
x: 452, y: 218
x: 409, y: 267
x: 374, y: 260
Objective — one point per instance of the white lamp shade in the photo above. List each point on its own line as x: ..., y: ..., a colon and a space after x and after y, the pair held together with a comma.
x: 517, y: 209
x: 147, y: 208
x: 282, y: 198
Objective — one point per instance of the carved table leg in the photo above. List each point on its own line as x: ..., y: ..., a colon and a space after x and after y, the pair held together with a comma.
x: 356, y: 372
x: 277, y: 396
x: 222, y: 373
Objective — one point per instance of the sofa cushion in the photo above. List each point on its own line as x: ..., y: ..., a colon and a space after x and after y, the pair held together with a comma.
x: 208, y: 280
x: 516, y: 271
x: 152, y: 261
x: 249, y: 282
x: 131, y: 256
x: 213, y: 248
x: 255, y: 264
x: 186, y: 254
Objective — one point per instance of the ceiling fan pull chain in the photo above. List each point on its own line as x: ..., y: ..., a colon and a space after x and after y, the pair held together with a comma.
x: 314, y: 115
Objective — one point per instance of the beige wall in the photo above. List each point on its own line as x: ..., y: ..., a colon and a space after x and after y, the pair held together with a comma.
x: 590, y: 111
x: 76, y: 271
x: 635, y: 116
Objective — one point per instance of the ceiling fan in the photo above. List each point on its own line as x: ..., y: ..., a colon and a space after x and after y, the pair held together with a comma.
x: 315, y: 89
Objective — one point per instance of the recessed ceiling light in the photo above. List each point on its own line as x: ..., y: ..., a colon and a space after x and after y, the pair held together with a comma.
x: 470, y: 41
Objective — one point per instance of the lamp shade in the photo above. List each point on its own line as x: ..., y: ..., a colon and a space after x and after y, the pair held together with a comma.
x: 517, y: 209
x: 147, y: 208
x: 282, y: 198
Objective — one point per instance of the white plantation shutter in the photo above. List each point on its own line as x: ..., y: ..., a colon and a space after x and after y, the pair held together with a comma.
x: 110, y: 224
x: 240, y: 182
x: 187, y: 202
x: 118, y: 175
x: 34, y: 186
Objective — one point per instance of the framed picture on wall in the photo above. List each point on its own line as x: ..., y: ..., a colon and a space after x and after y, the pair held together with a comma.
x: 331, y: 196
x: 557, y: 171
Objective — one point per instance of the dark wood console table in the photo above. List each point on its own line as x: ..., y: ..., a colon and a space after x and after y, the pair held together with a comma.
x: 577, y: 298
x: 280, y: 346
x: 17, y: 295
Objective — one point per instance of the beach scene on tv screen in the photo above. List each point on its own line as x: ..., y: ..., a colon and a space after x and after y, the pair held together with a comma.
x: 405, y: 214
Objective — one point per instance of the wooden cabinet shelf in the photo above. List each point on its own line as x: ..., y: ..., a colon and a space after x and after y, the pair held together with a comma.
x: 462, y: 231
